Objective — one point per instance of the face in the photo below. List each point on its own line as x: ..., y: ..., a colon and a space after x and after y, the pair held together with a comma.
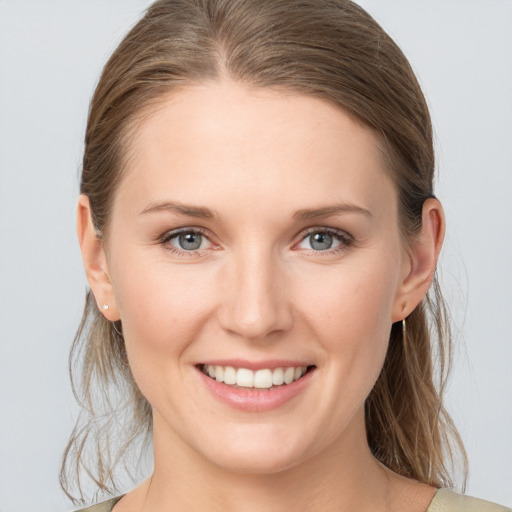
x: 255, y: 238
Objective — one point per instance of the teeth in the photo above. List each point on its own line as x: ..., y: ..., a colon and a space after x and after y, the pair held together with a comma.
x: 278, y: 377
x: 263, y: 379
x: 219, y: 374
x: 245, y: 378
x: 260, y: 379
x: 289, y: 373
x: 229, y: 375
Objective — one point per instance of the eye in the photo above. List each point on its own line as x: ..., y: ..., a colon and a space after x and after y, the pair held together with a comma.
x: 186, y: 240
x: 189, y: 241
x: 325, y: 240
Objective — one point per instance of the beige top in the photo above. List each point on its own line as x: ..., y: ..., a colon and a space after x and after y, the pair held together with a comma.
x: 444, y: 501
x: 448, y: 501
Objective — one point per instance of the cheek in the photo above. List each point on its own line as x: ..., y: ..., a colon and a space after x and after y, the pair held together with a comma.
x: 161, y: 308
x: 351, y: 316
x: 355, y: 298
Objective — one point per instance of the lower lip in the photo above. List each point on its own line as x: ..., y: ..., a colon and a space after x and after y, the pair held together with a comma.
x: 255, y: 400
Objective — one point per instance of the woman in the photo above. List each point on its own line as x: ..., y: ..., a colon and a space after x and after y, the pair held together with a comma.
x: 259, y: 232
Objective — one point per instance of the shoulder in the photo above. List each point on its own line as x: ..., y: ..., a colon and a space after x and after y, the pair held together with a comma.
x: 446, y: 500
x: 104, y: 506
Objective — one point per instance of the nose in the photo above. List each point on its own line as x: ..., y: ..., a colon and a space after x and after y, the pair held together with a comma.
x: 255, y: 300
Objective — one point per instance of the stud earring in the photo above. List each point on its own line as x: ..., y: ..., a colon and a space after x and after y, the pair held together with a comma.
x: 105, y: 306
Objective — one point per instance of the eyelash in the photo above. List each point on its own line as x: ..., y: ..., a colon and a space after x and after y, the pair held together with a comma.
x: 167, y: 237
x: 344, y: 238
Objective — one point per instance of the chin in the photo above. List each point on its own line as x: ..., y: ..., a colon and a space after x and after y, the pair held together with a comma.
x: 257, y: 464
x: 258, y: 455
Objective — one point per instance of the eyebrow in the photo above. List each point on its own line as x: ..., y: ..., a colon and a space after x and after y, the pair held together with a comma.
x: 205, y: 213
x: 199, y: 212
x: 330, y: 211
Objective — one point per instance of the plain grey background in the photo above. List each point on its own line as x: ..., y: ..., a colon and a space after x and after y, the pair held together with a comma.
x: 51, y: 54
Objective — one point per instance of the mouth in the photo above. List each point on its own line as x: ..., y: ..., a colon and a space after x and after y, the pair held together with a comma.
x: 264, y: 379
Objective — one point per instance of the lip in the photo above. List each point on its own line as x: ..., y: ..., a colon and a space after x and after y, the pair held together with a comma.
x: 271, y: 364
x: 254, y: 400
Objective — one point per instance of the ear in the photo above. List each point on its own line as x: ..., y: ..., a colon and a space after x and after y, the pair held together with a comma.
x: 420, y: 265
x: 95, y: 261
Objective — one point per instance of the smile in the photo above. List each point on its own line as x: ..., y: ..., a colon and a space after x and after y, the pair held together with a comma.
x: 264, y: 378
x: 264, y: 387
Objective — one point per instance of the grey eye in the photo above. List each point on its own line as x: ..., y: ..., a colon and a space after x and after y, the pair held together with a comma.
x: 321, y: 241
x: 190, y: 241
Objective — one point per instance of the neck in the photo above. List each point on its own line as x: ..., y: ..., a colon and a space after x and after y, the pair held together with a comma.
x: 344, y: 476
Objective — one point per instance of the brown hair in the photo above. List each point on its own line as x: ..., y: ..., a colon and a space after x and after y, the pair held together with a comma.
x: 331, y: 49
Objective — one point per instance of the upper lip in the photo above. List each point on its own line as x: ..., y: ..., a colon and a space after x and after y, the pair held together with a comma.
x: 257, y: 365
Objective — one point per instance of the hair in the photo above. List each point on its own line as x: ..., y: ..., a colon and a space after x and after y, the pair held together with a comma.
x: 329, y: 49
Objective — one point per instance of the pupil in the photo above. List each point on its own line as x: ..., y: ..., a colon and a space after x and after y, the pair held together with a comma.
x: 190, y: 241
x: 321, y: 241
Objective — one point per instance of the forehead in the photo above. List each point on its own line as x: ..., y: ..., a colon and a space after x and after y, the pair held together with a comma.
x: 215, y: 141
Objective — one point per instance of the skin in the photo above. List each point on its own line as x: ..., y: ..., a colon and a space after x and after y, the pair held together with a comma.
x: 257, y: 289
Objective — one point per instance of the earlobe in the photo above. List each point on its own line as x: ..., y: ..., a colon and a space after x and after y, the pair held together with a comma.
x: 423, y: 255
x: 95, y: 262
